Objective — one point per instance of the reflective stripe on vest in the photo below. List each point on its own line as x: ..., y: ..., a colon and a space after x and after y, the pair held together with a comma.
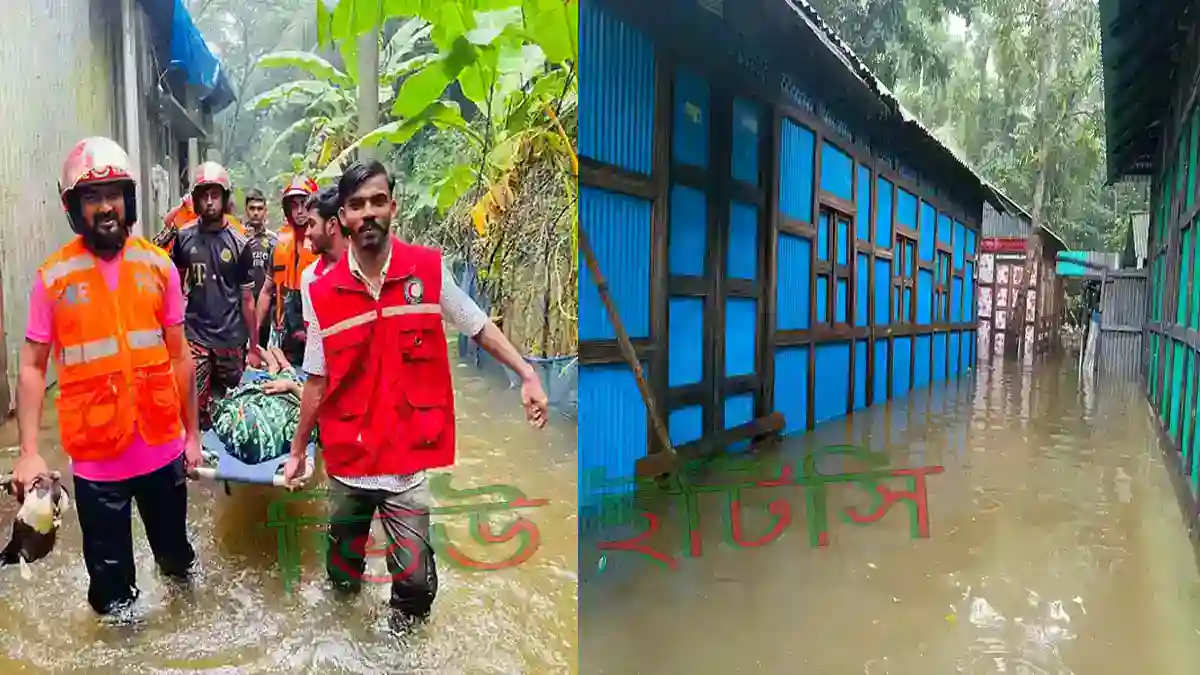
x: 90, y: 351
x: 145, y: 339
x: 368, y: 317
x: 140, y: 255
x: 54, y: 273
x: 106, y: 347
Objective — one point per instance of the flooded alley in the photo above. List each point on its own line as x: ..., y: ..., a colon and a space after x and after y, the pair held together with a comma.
x: 241, y: 618
x: 1056, y: 546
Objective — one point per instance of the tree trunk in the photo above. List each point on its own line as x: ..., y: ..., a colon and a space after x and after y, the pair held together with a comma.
x: 1047, y: 64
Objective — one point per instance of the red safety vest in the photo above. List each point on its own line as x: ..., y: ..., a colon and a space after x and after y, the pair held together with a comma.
x: 389, y: 401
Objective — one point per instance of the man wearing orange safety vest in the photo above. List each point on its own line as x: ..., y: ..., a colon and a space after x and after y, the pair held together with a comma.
x: 109, y: 308
x: 293, y: 253
x: 379, y: 385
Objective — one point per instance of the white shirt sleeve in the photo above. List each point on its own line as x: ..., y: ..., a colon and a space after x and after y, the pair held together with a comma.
x: 458, y: 309
x: 314, y: 346
x: 306, y: 279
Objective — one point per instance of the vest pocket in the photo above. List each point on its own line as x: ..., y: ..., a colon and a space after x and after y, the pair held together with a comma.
x: 429, y: 412
x: 89, y: 417
x: 420, y: 345
x: 159, y: 403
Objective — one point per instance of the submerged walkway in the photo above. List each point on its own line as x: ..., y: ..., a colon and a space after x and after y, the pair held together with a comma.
x: 242, y: 618
x: 1056, y: 547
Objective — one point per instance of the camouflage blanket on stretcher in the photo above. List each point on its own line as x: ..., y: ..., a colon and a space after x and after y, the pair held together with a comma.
x: 255, y: 426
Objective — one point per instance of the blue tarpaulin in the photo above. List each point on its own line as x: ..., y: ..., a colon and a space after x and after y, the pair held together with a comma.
x: 176, y: 38
x: 190, y: 53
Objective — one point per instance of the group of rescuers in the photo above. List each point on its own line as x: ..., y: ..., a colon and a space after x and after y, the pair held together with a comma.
x: 144, y: 334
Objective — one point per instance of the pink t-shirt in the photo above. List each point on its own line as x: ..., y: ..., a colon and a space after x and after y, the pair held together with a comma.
x: 139, y: 458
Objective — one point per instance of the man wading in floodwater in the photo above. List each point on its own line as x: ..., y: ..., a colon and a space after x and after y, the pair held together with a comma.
x: 219, y: 277
x: 291, y: 254
x: 379, y: 387
x: 110, y: 308
x: 262, y: 246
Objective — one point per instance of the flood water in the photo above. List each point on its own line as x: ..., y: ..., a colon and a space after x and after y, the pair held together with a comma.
x: 1056, y: 546
x: 240, y: 617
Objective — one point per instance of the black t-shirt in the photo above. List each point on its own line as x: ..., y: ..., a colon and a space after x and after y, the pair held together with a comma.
x: 214, y: 268
x: 261, y: 247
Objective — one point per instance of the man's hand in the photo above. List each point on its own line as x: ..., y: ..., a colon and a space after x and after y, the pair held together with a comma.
x: 294, y: 469
x: 281, y: 387
x: 254, y: 357
x: 192, y: 457
x: 533, y: 399
x: 29, y: 466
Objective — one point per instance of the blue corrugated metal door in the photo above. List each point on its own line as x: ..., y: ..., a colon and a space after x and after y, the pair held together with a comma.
x: 714, y: 258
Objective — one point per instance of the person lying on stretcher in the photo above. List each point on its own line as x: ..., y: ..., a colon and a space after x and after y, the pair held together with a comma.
x: 256, y: 420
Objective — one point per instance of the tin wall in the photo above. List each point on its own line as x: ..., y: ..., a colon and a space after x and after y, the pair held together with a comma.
x: 1173, y: 359
x: 60, y: 65
x: 757, y: 253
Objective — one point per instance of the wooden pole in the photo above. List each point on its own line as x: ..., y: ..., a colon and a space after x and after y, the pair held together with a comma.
x: 655, y: 463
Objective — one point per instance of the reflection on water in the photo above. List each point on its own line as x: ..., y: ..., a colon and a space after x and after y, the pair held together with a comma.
x: 1056, y: 547
x: 240, y: 619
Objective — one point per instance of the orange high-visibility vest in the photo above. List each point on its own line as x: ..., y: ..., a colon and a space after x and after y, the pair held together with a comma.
x: 287, y: 262
x: 110, y: 351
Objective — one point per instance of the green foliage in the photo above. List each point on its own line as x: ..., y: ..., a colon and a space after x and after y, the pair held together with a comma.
x: 476, y: 119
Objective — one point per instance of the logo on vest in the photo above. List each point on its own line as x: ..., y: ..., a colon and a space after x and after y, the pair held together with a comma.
x: 414, y: 291
x: 76, y: 294
x: 226, y: 256
x: 144, y: 281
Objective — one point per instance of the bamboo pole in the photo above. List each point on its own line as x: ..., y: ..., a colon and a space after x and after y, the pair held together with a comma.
x: 656, y: 463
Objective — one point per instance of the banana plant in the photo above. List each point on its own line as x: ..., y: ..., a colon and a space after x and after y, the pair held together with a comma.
x: 512, y: 59
x: 327, y: 102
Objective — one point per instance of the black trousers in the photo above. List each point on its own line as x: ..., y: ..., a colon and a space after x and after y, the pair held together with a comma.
x: 106, y: 519
x: 412, y: 572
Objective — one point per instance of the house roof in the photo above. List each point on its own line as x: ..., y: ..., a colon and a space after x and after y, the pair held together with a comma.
x: 1140, y: 45
x: 901, y: 115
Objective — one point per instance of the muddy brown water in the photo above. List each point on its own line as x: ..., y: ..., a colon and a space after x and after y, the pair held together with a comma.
x: 241, y: 618
x: 1056, y: 547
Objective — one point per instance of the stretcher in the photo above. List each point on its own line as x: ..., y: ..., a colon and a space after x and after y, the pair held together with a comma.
x: 230, y: 469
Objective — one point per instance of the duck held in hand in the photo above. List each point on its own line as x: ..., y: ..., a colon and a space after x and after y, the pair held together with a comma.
x: 37, y: 522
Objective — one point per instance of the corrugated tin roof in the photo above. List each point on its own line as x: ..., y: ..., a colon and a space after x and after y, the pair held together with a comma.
x: 859, y: 68
x: 1139, y: 46
x: 1085, y: 263
x: 855, y: 65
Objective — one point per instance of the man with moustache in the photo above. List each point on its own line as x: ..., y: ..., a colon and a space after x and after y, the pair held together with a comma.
x: 261, y: 244
x: 379, y: 386
x: 109, y: 307
x: 218, y: 278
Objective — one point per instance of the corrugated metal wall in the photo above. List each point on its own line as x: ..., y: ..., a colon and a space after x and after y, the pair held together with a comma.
x: 681, y: 219
x: 1174, y: 281
x: 997, y: 224
x: 616, y: 127
x: 1122, y: 311
x: 59, y: 63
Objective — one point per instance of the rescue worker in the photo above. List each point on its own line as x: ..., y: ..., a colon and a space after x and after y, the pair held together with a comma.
x: 292, y: 253
x: 325, y: 236
x: 379, y: 387
x: 182, y: 216
x: 218, y: 279
x: 262, y: 244
x: 109, y: 307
